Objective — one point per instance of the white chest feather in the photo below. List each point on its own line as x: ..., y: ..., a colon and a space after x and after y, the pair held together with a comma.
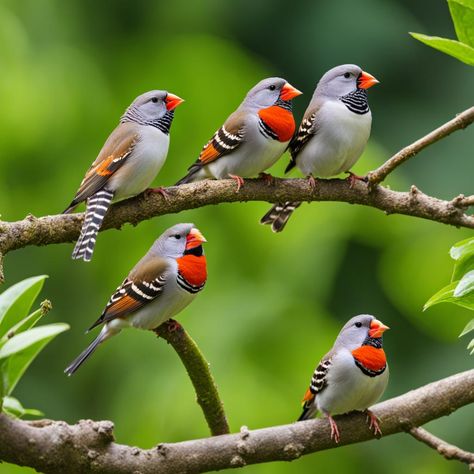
x: 142, y: 166
x: 348, y: 388
x: 338, y: 143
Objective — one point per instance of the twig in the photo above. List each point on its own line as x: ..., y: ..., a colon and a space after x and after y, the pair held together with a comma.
x: 54, y: 446
x: 199, y: 373
x: 65, y: 228
x: 449, y: 451
x: 461, y: 120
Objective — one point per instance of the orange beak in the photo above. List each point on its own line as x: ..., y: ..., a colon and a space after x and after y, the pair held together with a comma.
x: 366, y: 80
x: 172, y: 101
x: 289, y: 92
x: 377, y: 328
x: 194, y: 239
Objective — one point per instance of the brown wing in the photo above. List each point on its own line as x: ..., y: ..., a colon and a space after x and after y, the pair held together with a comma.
x: 306, y: 130
x: 113, y: 155
x: 225, y: 140
x: 144, y: 284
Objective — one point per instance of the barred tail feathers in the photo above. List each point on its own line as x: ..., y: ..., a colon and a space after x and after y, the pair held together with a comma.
x: 279, y: 214
x: 97, y: 206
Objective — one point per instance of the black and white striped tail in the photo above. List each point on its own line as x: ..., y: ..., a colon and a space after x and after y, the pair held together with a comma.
x: 97, y: 206
x: 84, y: 355
x: 279, y: 214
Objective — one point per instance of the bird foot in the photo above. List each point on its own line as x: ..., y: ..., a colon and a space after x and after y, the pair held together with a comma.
x: 239, y: 180
x: 267, y: 178
x: 160, y: 190
x: 373, y: 421
x: 312, y: 182
x: 353, y: 178
x: 173, y: 325
x: 334, y: 429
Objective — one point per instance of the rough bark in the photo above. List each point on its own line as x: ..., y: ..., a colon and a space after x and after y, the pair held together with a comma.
x: 88, y: 446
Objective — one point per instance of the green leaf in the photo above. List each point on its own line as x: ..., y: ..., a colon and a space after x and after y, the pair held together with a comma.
x: 16, y: 302
x: 462, y: 13
x: 465, y: 285
x: 471, y: 346
x: 469, y: 327
x: 463, y: 253
x: 461, y: 51
x: 14, y: 408
x: 28, y: 322
x: 25, y: 339
x: 462, y: 249
x: 22, y: 349
x: 446, y: 295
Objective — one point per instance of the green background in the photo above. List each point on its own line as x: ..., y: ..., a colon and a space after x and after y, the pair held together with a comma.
x: 273, y: 303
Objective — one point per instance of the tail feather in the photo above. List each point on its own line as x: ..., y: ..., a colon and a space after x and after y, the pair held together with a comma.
x: 279, y: 214
x: 309, y: 410
x: 191, y: 176
x: 84, y: 355
x: 97, y: 206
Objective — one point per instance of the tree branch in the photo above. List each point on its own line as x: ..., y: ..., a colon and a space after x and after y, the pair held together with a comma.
x: 449, y: 451
x: 461, y: 121
x: 54, y: 446
x: 198, y: 370
x: 66, y: 227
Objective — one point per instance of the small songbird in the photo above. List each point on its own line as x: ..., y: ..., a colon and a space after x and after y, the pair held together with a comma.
x: 352, y: 376
x: 160, y: 286
x: 252, y: 138
x: 127, y: 164
x: 332, y: 135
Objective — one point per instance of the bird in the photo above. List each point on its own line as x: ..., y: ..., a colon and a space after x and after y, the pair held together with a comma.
x: 161, y: 285
x: 128, y: 162
x: 332, y: 135
x: 352, y: 376
x: 252, y: 138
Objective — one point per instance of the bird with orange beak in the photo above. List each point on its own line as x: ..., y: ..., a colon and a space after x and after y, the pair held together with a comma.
x: 129, y: 161
x: 252, y: 138
x: 332, y: 135
x: 159, y: 287
x: 353, y: 375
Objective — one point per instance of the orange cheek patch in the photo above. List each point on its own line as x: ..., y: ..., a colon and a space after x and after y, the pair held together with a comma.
x: 370, y: 357
x: 193, y: 269
x: 208, y: 154
x: 281, y: 121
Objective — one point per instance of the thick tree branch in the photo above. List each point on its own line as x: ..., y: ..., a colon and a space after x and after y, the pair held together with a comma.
x: 65, y: 228
x: 449, y: 451
x: 54, y: 446
x: 461, y: 121
x: 199, y: 373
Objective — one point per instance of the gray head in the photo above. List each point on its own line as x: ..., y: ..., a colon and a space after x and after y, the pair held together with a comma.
x: 268, y: 91
x: 342, y: 80
x: 151, y: 107
x: 177, y: 240
x: 357, y: 329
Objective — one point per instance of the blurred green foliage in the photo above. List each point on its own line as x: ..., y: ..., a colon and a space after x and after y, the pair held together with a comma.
x: 462, y: 13
x: 273, y: 303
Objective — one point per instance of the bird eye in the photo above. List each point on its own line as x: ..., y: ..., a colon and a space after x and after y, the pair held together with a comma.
x: 358, y: 324
x: 154, y: 99
x: 347, y: 75
x: 177, y: 236
x: 272, y: 87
